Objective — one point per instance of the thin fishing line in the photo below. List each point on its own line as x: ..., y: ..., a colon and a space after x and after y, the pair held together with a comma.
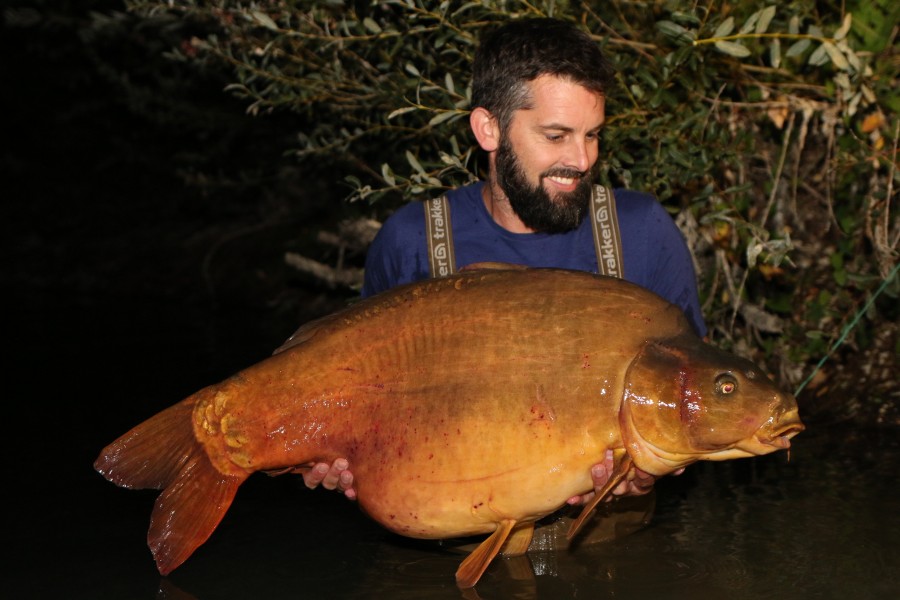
x: 849, y: 327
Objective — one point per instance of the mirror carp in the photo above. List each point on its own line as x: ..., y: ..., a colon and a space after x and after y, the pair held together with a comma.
x: 467, y: 405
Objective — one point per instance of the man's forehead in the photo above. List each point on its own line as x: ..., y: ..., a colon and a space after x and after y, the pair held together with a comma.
x: 560, y: 103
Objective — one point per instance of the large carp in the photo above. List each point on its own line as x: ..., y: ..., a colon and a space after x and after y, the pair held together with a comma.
x: 472, y: 404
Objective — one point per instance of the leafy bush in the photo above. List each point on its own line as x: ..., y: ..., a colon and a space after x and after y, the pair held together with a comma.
x: 770, y: 132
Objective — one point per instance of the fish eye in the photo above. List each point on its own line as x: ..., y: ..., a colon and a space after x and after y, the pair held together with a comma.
x: 726, y: 384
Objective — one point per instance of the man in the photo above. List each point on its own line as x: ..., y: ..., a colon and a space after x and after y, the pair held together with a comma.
x: 538, y: 97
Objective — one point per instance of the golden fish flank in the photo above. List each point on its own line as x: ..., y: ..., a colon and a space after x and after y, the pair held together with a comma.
x: 429, y: 379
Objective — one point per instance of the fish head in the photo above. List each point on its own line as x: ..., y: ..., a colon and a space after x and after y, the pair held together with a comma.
x: 685, y: 400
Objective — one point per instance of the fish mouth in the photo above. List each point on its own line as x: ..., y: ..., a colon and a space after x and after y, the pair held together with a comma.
x: 767, y: 439
x: 780, y: 439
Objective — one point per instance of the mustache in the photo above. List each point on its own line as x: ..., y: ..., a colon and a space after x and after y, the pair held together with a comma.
x: 565, y: 173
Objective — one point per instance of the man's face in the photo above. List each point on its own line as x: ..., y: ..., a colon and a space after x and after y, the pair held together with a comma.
x: 544, y: 160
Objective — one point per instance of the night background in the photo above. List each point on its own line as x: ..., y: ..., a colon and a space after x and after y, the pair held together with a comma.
x: 129, y: 280
x: 145, y: 220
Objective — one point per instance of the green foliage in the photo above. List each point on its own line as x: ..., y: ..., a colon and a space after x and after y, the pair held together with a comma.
x: 769, y: 130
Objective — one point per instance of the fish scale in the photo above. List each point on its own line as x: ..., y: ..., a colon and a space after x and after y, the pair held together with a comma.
x: 472, y: 404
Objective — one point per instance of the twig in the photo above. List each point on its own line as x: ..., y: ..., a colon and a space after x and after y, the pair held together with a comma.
x: 345, y: 277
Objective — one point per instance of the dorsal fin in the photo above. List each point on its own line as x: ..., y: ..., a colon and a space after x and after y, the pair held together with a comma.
x: 618, y: 474
x: 306, y: 331
x: 494, y: 266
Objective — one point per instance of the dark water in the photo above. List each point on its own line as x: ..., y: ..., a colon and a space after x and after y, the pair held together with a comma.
x: 824, y: 524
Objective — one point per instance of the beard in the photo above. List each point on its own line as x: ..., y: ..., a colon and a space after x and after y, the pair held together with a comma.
x: 533, y: 204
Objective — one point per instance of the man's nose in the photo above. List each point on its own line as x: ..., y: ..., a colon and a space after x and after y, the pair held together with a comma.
x: 579, y: 155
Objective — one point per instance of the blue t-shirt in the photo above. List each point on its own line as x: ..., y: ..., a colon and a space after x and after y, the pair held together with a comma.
x: 655, y: 255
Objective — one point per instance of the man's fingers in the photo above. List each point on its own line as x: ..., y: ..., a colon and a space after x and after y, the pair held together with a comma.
x: 600, y: 475
x: 333, y: 477
x: 314, y: 476
x: 345, y: 484
x: 620, y: 490
x: 580, y: 500
x: 329, y: 476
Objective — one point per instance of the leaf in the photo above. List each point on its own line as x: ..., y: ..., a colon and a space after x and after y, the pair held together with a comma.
x: 675, y: 31
x: 844, y: 29
x: 353, y: 180
x: 235, y: 87
x: 836, y: 56
x: 685, y: 18
x: 724, y: 28
x: 388, y: 175
x: 448, y: 82
x: 851, y: 56
x: 794, y: 25
x: 451, y: 160
x: 414, y: 162
x: 401, y: 111
x: 370, y: 24
x: 775, y: 53
x: 442, y: 116
x: 750, y: 23
x: 264, y: 20
x: 765, y: 18
x: 819, y: 56
x: 732, y: 48
x: 843, y: 82
x: 853, y: 105
x: 797, y: 48
x: 412, y: 70
x: 867, y: 92
x: 753, y: 252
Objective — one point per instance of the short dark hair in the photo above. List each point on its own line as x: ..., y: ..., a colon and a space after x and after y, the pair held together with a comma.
x: 521, y: 51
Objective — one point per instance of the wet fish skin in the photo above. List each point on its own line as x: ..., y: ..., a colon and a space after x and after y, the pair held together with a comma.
x: 466, y: 405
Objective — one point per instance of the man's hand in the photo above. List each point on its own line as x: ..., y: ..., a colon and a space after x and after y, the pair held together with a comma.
x: 601, y: 472
x: 331, y: 477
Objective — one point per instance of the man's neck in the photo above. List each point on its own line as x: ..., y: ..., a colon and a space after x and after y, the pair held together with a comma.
x: 498, y: 206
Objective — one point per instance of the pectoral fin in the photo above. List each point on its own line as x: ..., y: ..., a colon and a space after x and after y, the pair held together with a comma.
x: 474, y: 565
x: 618, y: 474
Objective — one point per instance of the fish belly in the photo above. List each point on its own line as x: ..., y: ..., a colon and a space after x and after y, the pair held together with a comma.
x: 458, y: 403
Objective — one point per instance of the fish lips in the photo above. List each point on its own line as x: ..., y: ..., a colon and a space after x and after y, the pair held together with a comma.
x: 779, y: 438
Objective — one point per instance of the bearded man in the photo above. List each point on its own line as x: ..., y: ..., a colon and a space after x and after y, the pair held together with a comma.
x: 538, y: 105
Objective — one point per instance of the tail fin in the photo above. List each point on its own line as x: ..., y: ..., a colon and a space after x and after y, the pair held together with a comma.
x: 163, y: 453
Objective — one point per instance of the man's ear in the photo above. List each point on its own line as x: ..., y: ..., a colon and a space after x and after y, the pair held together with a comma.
x: 485, y: 128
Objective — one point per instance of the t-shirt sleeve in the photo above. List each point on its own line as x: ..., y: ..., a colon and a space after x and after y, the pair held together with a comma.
x: 381, y: 272
x: 396, y: 255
